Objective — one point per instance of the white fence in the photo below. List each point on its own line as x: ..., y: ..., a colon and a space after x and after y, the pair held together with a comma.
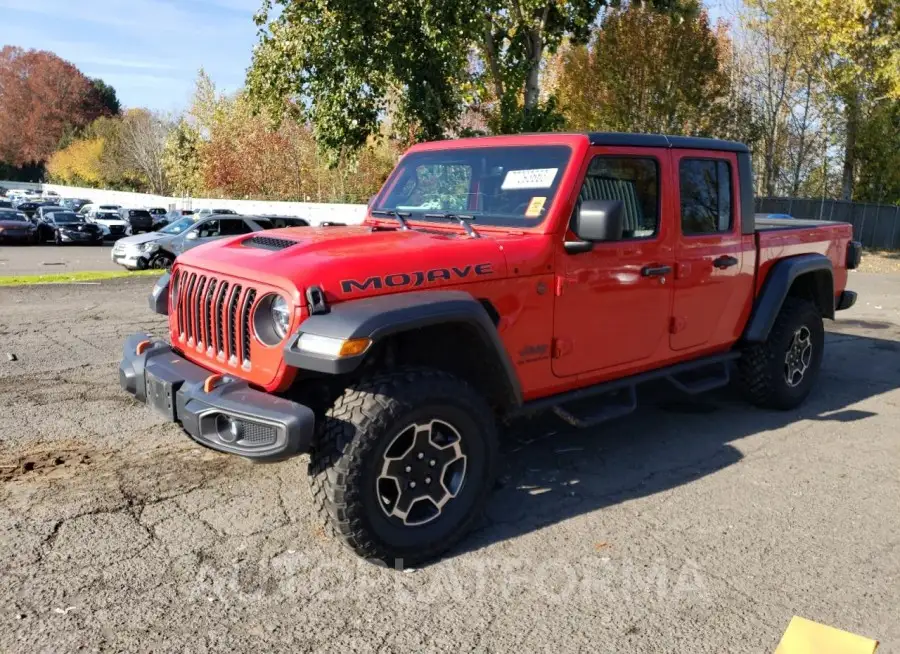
x: 315, y: 213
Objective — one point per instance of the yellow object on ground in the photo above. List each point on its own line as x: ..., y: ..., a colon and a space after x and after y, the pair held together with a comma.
x: 808, y: 637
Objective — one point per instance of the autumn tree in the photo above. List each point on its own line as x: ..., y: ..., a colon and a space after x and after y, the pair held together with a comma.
x: 79, y: 164
x: 41, y: 98
x: 645, y: 70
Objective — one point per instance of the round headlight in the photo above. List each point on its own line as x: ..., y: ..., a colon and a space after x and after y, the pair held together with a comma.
x: 281, y: 316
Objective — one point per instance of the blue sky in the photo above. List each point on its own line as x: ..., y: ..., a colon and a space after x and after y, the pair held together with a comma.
x: 149, y: 50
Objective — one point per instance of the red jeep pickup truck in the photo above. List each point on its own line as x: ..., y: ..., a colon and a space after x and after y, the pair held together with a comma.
x: 492, y: 277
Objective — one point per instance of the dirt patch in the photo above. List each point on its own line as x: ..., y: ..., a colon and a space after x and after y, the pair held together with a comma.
x: 40, y: 463
x: 880, y: 262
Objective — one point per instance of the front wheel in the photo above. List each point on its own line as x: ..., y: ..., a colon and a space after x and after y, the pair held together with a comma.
x: 162, y: 262
x: 403, y: 465
x: 780, y: 373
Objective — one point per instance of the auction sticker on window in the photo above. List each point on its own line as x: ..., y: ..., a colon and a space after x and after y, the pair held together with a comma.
x: 535, y: 207
x: 533, y: 178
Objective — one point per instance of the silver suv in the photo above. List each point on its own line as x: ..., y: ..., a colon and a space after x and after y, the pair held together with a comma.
x: 159, y: 249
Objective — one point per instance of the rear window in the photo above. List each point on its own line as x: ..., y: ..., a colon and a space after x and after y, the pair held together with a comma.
x: 139, y: 213
x: 108, y: 207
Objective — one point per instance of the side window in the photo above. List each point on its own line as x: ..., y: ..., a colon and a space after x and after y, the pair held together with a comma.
x: 705, y: 196
x: 208, y: 229
x: 632, y: 180
x: 234, y: 226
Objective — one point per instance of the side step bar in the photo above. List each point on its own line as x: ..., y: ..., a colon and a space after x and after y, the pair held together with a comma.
x: 619, y: 397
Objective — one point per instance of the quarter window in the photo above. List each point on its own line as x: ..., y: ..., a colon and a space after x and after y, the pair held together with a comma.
x: 632, y: 180
x: 705, y: 196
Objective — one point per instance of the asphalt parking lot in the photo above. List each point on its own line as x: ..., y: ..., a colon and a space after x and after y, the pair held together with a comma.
x: 49, y: 259
x: 693, y: 526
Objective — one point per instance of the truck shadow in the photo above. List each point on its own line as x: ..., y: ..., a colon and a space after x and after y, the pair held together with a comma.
x: 550, y: 472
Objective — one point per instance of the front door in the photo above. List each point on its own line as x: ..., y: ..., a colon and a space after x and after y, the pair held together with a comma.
x: 614, y: 303
x: 711, y: 283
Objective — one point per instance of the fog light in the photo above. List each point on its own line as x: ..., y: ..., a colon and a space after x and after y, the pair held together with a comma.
x: 227, y: 429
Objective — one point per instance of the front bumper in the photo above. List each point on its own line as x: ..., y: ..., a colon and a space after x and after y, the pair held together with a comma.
x: 231, y: 417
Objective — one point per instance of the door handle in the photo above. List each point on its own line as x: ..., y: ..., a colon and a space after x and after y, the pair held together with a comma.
x: 725, y: 262
x: 655, y: 271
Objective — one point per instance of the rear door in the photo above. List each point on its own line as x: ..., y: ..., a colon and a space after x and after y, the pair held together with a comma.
x: 711, y: 283
x: 613, y: 303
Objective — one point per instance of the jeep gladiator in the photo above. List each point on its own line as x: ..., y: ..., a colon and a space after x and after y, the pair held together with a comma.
x: 492, y: 277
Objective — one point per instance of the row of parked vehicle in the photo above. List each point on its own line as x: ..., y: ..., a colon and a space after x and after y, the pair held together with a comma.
x: 158, y: 249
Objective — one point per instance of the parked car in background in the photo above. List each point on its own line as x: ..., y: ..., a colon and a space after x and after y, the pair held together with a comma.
x: 108, y: 218
x: 69, y: 227
x: 74, y: 204
x: 15, y: 227
x: 140, y: 220
x: 6, y: 204
x: 159, y: 249
x: 51, y: 196
x: 278, y: 222
x: 29, y: 208
x: 160, y: 217
x: 46, y: 209
x: 220, y: 212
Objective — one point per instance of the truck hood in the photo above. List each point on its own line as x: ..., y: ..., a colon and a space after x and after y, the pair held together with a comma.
x: 353, y: 262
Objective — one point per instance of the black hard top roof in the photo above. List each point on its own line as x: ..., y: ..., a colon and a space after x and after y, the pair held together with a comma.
x: 663, y: 141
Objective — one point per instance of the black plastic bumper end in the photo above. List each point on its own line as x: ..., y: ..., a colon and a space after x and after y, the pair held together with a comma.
x: 231, y: 417
x: 845, y: 300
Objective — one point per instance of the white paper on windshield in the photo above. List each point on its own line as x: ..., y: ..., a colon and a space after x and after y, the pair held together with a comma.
x: 533, y: 178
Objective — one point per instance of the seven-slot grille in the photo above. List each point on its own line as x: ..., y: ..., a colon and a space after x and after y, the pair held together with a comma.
x: 212, y: 316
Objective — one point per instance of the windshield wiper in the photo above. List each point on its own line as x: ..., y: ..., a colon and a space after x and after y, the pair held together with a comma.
x: 461, y: 218
x: 401, y: 216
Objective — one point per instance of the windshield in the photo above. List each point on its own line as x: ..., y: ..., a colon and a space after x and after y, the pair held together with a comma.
x: 178, y: 226
x: 12, y: 215
x: 507, y: 186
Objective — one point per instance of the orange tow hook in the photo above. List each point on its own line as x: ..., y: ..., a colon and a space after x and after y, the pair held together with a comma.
x: 211, y: 382
x: 141, y: 347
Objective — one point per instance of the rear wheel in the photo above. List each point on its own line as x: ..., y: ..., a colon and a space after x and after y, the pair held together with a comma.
x: 404, y: 464
x: 781, y: 372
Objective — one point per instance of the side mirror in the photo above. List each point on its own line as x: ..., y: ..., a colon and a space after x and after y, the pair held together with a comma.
x: 191, y: 236
x: 595, y: 221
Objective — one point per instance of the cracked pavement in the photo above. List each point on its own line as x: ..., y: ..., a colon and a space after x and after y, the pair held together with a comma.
x: 695, y: 525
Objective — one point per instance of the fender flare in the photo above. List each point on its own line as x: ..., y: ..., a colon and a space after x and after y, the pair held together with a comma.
x: 380, y: 317
x: 777, y: 286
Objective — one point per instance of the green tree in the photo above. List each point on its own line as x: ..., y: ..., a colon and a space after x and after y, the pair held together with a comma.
x: 106, y: 96
x: 343, y: 64
x: 181, y: 159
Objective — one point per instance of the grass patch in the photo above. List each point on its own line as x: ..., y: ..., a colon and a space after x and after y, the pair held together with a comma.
x: 72, y: 277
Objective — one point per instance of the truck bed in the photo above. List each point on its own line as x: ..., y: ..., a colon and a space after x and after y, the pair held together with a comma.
x: 771, y: 224
x: 779, y: 238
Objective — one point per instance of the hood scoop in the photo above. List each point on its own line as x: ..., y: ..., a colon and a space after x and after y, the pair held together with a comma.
x: 268, y: 243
